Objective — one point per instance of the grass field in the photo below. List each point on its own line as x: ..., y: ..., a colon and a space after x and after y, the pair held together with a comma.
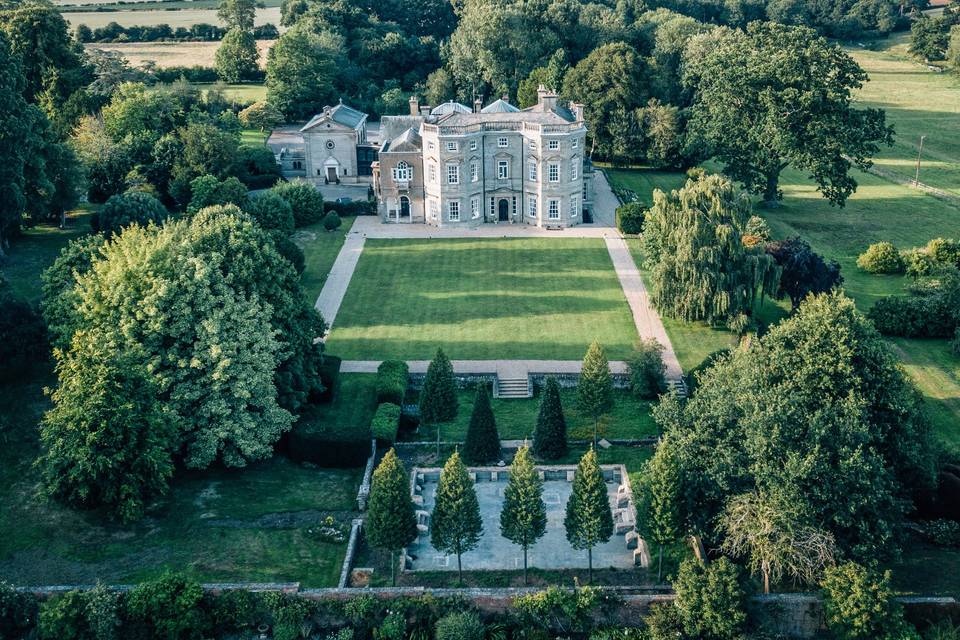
x: 517, y: 418
x: 320, y: 248
x: 75, y: 6
x: 483, y: 299
x: 173, y: 54
x: 918, y: 102
x: 174, y: 17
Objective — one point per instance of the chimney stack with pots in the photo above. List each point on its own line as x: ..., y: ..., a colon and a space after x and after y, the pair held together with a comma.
x: 414, y: 106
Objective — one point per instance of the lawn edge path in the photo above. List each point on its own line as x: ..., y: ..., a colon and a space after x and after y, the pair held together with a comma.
x: 336, y: 285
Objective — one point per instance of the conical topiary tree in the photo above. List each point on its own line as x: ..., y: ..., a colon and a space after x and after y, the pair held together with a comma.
x: 523, y: 519
x: 595, y: 388
x: 550, y: 435
x: 455, y: 525
x: 391, y: 521
x: 438, y: 399
x: 482, y: 444
x: 588, y: 521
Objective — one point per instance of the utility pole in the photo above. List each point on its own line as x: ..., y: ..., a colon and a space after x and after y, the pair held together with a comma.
x: 916, y: 180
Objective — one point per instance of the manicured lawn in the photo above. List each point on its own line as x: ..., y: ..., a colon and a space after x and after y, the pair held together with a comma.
x: 644, y: 181
x: 253, y: 137
x: 918, y: 102
x: 320, y: 248
x: 517, y: 418
x: 483, y: 299
x: 351, y: 410
x: 37, y: 248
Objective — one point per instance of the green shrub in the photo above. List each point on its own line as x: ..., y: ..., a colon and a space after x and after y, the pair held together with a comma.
x: 881, y: 257
x: 233, y: 611
x: 18, y: 612
x: 647, y: 370
x: 354, y: 208
x: 917, y: 262
x: 858, y: 605
x: 711, y: 599
x: 393, y: 627
x: 123, y: 210
x: 271, y: 212
x: 392, y: 381
x: 167, y: 607
x: 899, y: 316
x: 945, y: 533
x: 956, y: 341
x: 386, y: 422
x: 757, y: 227
x: 462, y: 625
x: 332, y: 221
x: 290, y: 614
x: 630, y: 218
x: 329, y: 373
x: 304, y: 199
x: 944, y: 251
x: 289, y: 250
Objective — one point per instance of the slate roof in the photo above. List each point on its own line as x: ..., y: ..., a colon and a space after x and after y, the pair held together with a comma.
x: 499, y: 106
x: 341, y: 114
x: 409, y: 140
x: 450, y: 107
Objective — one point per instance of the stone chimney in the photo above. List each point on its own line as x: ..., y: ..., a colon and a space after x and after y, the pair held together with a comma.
x: 414, y: 105
x: 477, y: 105
x: 576, y: 108
x: 546, y: 99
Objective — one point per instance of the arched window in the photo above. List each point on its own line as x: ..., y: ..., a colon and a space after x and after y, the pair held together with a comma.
x: 403, y: 172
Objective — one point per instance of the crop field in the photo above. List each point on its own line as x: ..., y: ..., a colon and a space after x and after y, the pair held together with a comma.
x: 174, y: 17
x: 144, y: 5
x: 173, y: 54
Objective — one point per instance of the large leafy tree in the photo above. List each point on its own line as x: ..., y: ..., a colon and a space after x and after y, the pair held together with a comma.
x: 523, y: 519
x: 237, y: 59
x: 588, y: 520
x: 550, y: 434
x: 58, y: 286
x: 816, y: 413
x: 238, y: 14
x: 776, y: 96
x: 133, y: 207
x: 802, y: 271
x: 482, y: 444
x: 108, y: 442
x: 391, y: 522
x: 595, y: 386
x: 456, y: 525
x: 301, y: 68
x: 692, y: 244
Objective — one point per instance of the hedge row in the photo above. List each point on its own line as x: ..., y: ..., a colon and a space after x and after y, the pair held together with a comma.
x: 914, y: 317
x: 353, y: 208
x: 201, y: 32
x: 386, y: 423
x: 630, y: 218
x: 392, y: 380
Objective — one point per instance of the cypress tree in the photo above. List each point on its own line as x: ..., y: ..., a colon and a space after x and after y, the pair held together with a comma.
x: 588, y: 521
x: 455, y: 525
x: 550, y: 436
x: 595, y: 388
x: 660, y: 499
x: 438, y: 399
x: 482, y: 444
x: 523, y: 519
x: 391, y: 521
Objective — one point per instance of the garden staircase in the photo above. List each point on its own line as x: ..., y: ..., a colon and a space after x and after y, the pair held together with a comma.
x: 679, y: 385
x: 513, y: 388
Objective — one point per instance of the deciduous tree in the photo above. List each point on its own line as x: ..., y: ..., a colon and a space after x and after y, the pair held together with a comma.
x: 301, y: 68
x: 391, y: 521
x: 523, y: 519
x: 132, y: 207
x: 237, y: 58
x: 455, y: 525
x: 588, y: 519
x: 802, y: 271
x: 261, y: 115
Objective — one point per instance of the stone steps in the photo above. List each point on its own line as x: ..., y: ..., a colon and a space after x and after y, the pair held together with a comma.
x: 513, y: 388
x: 679, y: 385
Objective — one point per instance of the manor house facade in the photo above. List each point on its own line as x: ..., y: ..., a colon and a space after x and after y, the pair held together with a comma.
x: 457, y: 166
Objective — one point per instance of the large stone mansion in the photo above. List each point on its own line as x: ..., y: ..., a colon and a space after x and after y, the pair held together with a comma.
x: 453, y: 165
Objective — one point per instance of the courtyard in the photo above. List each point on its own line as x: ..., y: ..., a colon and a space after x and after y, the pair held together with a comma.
x: 489, y: 298
x: 552, y: 551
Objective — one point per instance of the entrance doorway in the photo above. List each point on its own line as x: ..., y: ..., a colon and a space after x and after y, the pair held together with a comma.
x: 503, y: 209
x: 404, y: 207
x: 331, y: 174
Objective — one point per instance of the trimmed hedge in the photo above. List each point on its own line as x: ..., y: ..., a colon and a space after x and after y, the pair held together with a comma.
x: 630, y: 218
x: 392, y: 381
x: 329, y: 375
x: 386, y: 423
x: 354, y: 208
x: 336, y: 434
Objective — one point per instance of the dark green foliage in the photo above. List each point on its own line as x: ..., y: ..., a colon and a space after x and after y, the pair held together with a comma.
x: 693, y: 247
x: 304, y: 199
x: 759, y: 116
x: 881, y: 257
x: 289, y: 250
x: 23, y: 336
x: 859, y: 605
x: 391, y: 523
x: 658, y: 499
x: 523, y: 518
x: 166, y: 608
x: 107, y: 441
x: 301, y: 68
x: 331, y: 221
x: 802, y: 271
x: 385, y: 423
x: 482, y: 444
x: 711, y: 599
x: 122, y: 210
x: 595, y: 386
x: 237, y: 59
x: 271, y: 211
x: 288, y: 613
x: 630, y: 218
x: 18, y: 612
x: 462, y: 625
x: 588, y: 519
x: 352, y: 208
x: 392, y: 380
x: 57, y: 284
x: 648, y: 370
x: 550, y: 435
x: 693, y: 375
x: 80, y: 615
x: 233, y: 611
x: 438, y: 399
x: 455, y: 525
x: 256, y: 166
x: 932, y: 310
x: 208, y: 191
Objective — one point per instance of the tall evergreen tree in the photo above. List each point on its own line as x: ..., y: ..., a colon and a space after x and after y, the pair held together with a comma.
x: 550, y: 435
x: 482, y: 444
x: 660, y: 498
x: 595, y: 388
x: 523, y: 519
x: 589, y: 520
x: 391, y: 521
x: 438, y: 399
x: 456, y: 526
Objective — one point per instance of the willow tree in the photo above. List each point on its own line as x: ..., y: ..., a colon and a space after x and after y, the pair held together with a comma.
x: 700, y: 267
